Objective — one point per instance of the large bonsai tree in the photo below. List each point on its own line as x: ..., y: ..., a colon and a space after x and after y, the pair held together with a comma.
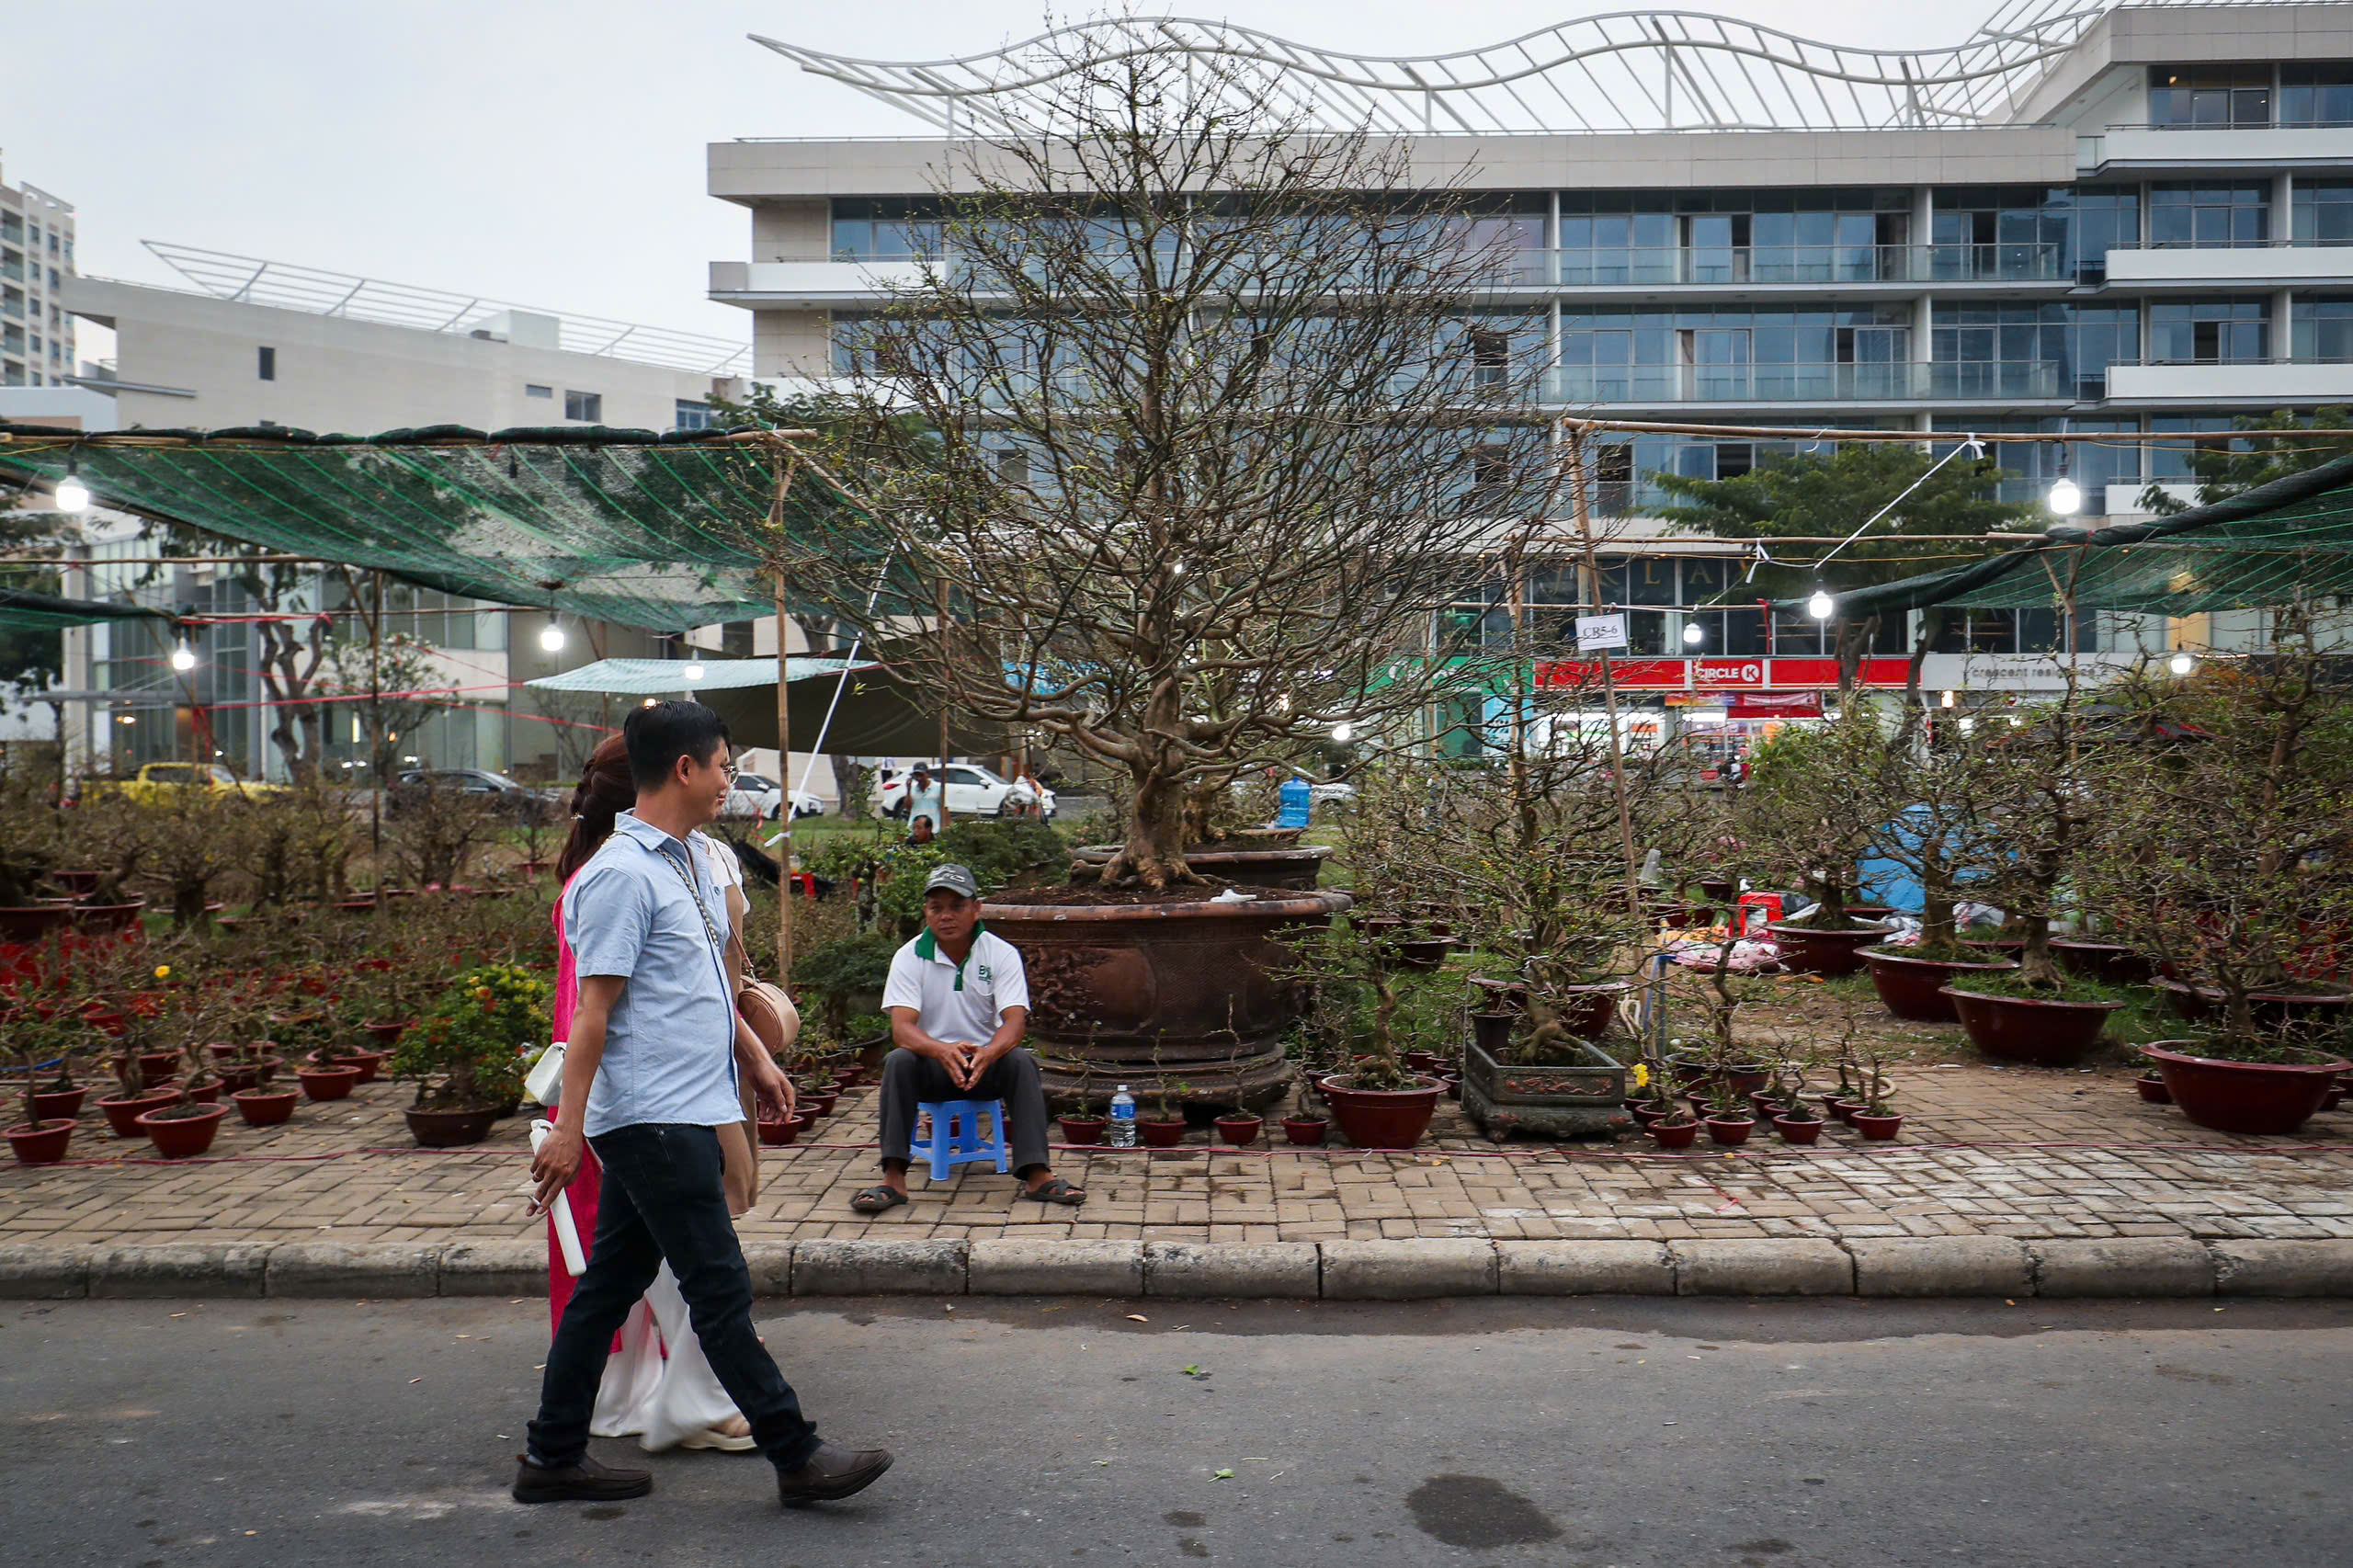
x: 1210, y: 413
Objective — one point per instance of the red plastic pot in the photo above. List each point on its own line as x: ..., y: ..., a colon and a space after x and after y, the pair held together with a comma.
x: 327, y: 1083
x: 2027, y: 1029
x: 1381, y: 1118
x: 40, y: 1142
x: 1161, y: 1134
x: 822, y: 1102
x: 1914, y: 988
x: 247, y: 1076
x: 1676, y: 1136
x: 367, y: 1061
x: 153, y: 1064
x: 1731, y: 1128
x: 2262, y: 1098
x: 2152, y: 1088
x: 123, y: 1114
x: 2110, y: 962
x: 1825, y: 952
x: 265, y: 1107
x: 1306, y: 1132
x: 386, y: 1033
x: 1239, y: 1131
x: 1083, y: 1129
x: 1797, y: 1131
x: 777, y: 1133
x: 1877, y: 1129
x: 51, y: 1104
x: 183, y: 1137
x: 1644, y: 1112
x: 1842, y: 1109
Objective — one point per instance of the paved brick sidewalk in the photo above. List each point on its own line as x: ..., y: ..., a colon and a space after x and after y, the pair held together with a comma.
x: 274, y: 1184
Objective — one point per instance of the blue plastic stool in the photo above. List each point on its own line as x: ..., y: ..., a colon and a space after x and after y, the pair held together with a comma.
x: 956, y: 1135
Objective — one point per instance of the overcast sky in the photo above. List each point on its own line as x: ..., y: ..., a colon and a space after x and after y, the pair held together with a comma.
x: 551, y: 152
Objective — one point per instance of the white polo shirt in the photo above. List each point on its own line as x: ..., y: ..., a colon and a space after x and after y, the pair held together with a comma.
x: 956, y: 1002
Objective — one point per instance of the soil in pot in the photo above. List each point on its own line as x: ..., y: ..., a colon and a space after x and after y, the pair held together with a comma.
x: 2050, y: 1032
x: 1795, y: 1131
x: 265, y: 1107
x: 1877, y: 1129
x: 1239, y: 1131
x: 1912, y: 988
x: 449, y: 1128
x: 40, y: 1142
x: 1083, y: 1129
x: 329, y: 1083
x: 184, y: 1135
x: 2260, y: 1099
x: 1381, y: 1118
x: 1157, y: 1134
x: 1731, y: 1128
x: 1306, y: 1132
x: 122, y: 1115
x: 1674, y: 1134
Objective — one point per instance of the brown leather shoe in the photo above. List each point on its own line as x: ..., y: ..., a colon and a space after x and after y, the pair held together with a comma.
x: 831, y: 1474
x: 590, y: 1480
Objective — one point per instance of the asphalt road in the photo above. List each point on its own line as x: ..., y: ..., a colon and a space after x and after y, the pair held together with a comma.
x: 1634, y: 1433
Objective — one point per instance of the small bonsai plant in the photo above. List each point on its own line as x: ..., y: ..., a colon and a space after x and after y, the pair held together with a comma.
x: 470, y: 1053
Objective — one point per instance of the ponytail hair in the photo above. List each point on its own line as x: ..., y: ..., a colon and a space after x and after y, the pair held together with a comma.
x: 605, y: 790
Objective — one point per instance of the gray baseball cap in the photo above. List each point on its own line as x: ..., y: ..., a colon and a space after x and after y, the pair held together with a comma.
x: 955, y: 879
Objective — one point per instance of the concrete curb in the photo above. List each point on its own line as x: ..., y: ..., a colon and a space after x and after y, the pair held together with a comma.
x: 1359, y: 1271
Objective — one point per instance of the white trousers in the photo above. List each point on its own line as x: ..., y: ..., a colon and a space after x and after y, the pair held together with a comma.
x: 656, y: 1397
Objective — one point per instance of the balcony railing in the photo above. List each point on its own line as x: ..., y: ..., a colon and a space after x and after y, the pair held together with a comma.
x: 1901, y: 382
x: 1615, y: 266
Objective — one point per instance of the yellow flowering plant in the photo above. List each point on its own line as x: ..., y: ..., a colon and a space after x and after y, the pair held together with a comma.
x: 473, y: 1049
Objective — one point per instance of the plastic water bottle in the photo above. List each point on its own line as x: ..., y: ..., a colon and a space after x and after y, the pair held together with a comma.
x: 1123, y: 1119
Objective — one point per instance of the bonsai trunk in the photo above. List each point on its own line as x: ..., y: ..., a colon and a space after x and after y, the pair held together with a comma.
x: 2037, y: 967
x: 1154, y: 854
x: 1829, y: 890
x: 1936, y: 910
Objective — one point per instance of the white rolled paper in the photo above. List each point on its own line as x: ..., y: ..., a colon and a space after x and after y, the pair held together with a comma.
x: 568, y: 1234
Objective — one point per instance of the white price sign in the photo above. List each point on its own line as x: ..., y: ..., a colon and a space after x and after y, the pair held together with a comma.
x: 1595, y: 632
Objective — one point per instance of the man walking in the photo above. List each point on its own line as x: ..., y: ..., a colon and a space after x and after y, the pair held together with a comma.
x: 927, y: 802
x: 649, y: 1074
x: 960, y: 1004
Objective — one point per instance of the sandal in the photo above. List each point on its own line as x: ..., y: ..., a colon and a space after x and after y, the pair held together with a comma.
x: 875, y: 1199
x: 1054, y: 1190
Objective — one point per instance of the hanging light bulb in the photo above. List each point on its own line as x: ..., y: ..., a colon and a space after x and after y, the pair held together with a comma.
x: 694, y: 672
x: 1342, y: 731
x: 73, y: 496
x: 1821, y: 605
x: 552, y: 637
x: 183, y: 658
x: 1692, y: 633
x: 2067, y: 496
x: 2181, y: 664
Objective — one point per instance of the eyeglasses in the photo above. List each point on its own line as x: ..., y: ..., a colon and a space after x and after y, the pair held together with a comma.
x: 729, y: 771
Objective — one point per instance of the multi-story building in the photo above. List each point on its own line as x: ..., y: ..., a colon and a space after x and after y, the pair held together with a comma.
x: 2132, y: 220
x: 36, y: 259
x: 249, y: 342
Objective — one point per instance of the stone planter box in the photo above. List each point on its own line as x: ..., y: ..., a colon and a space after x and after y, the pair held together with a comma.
x: 1577, y: 1099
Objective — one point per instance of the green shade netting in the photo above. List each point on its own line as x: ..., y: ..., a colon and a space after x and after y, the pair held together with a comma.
x: 21, y: 607
x: 663, y: 532
x: 2266, y: 546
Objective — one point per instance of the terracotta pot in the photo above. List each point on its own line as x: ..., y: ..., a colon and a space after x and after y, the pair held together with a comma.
x: 449, y: 1128
x: 208, y: 1094
x: 183, y: 1137
x: 1747, y: 1077
x: 236, y: 1079
x: 821, y: 1101
x: 265, y: 1107
x: 1842, y: 1109
x: 1425, y: 952
x: 1797, y: 1131
x: 1161, y: 1134
x: 1764, y: 1108
x: 2152, y: 1088
x: 386, y: 1033
x: 1381, y: 1118
x: 1083, y: 1129
x: 1731, y: 1128
x: 2027, y: 1028
x: 2262, y: 1098
x: 1824, y: 952
x: 1645, y: 1113
x: 1587, y: 1011
x: 109, y: 919
x: 153, y: 1064
x: 1295, y: 868
x: 2273, y: 1010
x: 1239, y: 1131
x: 1306, y: 1132
x: 28, y: 924
x: 1122, y: 984
x: 1423, y: 1062
x: 332, y: 1083
x: 367, y: 1061
x: 123, y: 1114
x: 51, y: 1104
x: 776, y: 1134
x: 40, y: 1142
x: 802, y: 1119
x: 1914, y: 988
x: 1675, y: 1137
x: 1877, y: 1129
x: 2112, y: 962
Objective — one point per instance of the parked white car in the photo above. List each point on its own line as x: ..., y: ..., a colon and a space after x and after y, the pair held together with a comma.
x: 754, y: 795
x: 971, y: 791
x: 804, y: 805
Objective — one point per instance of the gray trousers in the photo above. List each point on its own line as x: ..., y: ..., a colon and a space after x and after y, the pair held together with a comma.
x: 908, y: 1079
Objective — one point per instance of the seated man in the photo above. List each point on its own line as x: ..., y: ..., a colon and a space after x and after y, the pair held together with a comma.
x: 959, y: 1003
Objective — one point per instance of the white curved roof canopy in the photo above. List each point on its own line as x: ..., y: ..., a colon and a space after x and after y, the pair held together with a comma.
x: 1630, y: 71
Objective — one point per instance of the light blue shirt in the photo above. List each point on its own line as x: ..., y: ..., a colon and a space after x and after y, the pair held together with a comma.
x: 928, y: 802
x: 670, y: 1043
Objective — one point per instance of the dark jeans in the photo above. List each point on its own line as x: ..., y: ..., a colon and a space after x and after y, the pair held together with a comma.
x: 1013, y: 1078
x: 662, y: 1200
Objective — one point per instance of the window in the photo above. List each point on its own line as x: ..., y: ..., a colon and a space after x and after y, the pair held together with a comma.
x: 2324, y: 330
x: 584, y: 406
x: 2183, y: 213
x: 2209, y: 97
x: 2209, y: 332
x: 532, y: 391
x: 267, y: 364
x: 2322, y: 215
x: 1013, y: 466
x: 885, y: 229
x: 2316, y: 92
x: 692, y: 415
